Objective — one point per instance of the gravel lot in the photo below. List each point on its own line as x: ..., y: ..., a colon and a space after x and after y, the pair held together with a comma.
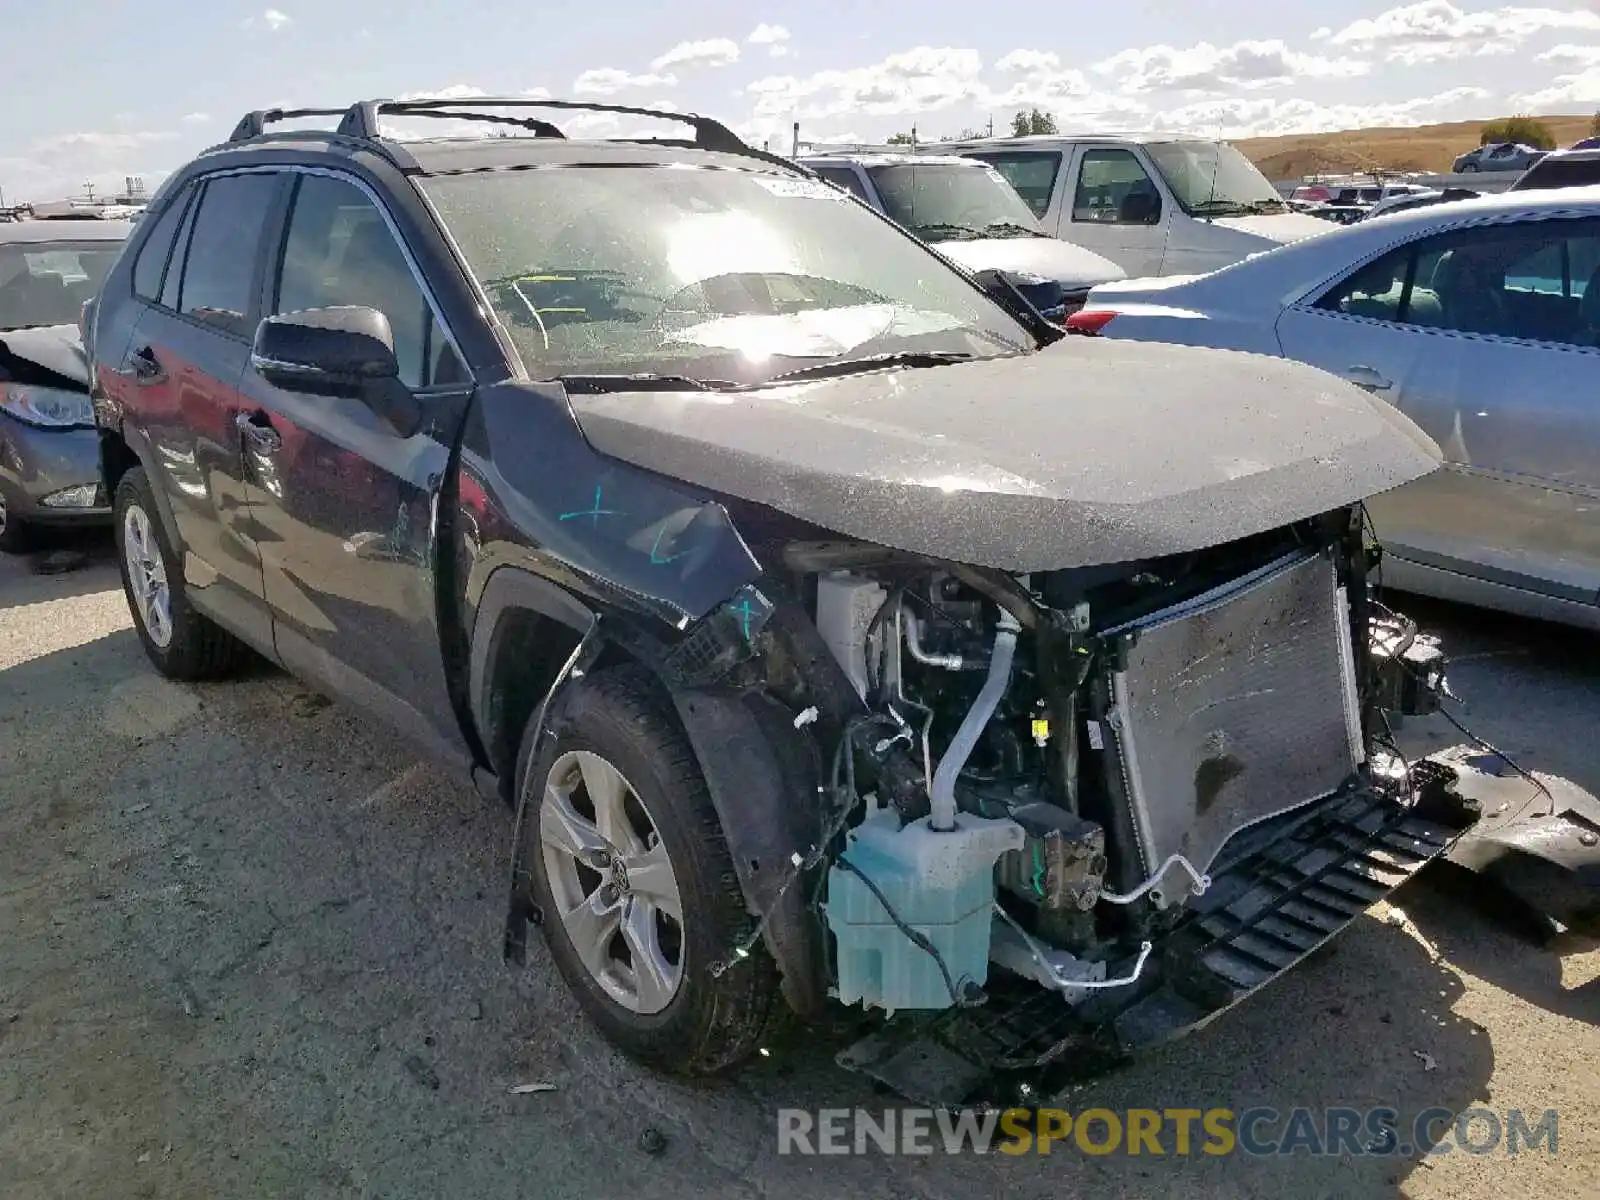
x: 249, y: 946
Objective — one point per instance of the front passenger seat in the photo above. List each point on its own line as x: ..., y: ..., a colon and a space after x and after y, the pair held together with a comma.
x: 1589, y: 308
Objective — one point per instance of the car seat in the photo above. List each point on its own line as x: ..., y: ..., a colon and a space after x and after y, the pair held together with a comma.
x: 1469, y: 293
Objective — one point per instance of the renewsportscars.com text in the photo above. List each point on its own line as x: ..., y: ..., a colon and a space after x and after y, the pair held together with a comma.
x: 1181, y: 1132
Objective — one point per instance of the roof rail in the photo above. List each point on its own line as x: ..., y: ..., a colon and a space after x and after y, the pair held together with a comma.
x: 361, y: 121
x: 254, y: 124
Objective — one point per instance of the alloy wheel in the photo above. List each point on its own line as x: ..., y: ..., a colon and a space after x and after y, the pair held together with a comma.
x: 615, y: 890
x: 147, y: 576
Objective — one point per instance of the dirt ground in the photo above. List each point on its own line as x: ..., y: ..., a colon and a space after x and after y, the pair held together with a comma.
x: 249, y: 946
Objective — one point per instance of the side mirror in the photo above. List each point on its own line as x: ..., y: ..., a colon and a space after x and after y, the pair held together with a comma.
x: 341, y: 351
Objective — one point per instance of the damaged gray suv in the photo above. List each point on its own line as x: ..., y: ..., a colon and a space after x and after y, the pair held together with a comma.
x: 841, y: 633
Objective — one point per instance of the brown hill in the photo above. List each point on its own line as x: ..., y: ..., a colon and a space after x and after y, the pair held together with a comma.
x: 1420, y: 148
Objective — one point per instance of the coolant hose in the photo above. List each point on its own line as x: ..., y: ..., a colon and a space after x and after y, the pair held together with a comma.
x: 943, y: 800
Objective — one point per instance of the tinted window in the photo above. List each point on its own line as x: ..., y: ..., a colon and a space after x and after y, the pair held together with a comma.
x: 172, y: 284
x: 220, y: 267
x: 1525, y: 280
x: 1031, y: 172
x: 714, y: 274
x: 844, y: 177
x: 339, y: 250
x: 153, y: 255
x: 1554, y: 172
x: 46, y: 283
x: 1115, y: 189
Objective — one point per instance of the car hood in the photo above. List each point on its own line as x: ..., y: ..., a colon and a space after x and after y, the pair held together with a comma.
x: 1277, y: 228
x: 1091, y: 451
x: 1062, y: 262
x: 56, y: 348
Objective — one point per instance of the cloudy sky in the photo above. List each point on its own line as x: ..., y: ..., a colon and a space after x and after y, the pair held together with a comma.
x: 97, y: 90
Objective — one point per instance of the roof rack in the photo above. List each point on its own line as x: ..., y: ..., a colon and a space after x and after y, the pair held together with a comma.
x: 360, y: 122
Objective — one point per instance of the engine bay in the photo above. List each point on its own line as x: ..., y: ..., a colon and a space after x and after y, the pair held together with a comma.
x: 1052, y: 767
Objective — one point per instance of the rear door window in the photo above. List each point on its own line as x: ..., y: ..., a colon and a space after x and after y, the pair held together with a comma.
x: 151, y: 265
x: 1032, y: 173
x: 220, y: 269
x: 1525, y: 280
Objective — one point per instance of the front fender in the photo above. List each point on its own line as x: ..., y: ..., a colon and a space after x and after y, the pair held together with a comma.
x: 765, y: 779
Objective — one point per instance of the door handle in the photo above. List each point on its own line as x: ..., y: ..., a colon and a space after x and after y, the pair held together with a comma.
x: 1368, y: 378
x: 258, y: 433
x: 145, y: 367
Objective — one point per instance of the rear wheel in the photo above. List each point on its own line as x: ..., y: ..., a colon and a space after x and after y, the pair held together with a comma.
x: 181, y: 642
x: 633, y: 877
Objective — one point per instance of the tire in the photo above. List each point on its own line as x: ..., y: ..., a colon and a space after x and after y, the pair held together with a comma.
x: 1469, y: 169
x: 620, y: 717
x: 15, y: 536
x: 186, y: 645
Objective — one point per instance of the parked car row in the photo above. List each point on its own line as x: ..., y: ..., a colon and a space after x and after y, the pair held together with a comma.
x: 839, y: 629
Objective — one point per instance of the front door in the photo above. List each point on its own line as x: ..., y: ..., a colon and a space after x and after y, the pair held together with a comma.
x: 345, y: 506
x: 1115, y: 208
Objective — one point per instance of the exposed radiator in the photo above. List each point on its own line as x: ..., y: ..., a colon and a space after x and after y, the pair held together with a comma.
x: 1234, y: 707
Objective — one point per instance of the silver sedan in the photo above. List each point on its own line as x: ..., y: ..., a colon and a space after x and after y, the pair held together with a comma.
x: 1480, y: 320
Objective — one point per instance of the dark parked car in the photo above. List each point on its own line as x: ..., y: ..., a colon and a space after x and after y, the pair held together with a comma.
x: 49, y: 454
x: 836, y: 627
x: 1561, y: 169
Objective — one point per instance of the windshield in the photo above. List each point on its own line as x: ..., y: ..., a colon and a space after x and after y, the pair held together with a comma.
x: 941, y: 201
x: 46, y: 283
x: 712, y: 274
x: 1213, y: 179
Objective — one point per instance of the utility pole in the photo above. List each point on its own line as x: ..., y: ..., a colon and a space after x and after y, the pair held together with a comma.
x: 88, y: 190
x: 991, y: 124
x: 795, y: 153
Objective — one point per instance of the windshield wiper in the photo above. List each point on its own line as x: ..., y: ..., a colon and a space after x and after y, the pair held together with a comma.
x: 1266, y: 206
x: 1013, y: 227
x: 873, y: 362
x: 944, y: 230
x: 643, y: 381
x: 1219, y: 208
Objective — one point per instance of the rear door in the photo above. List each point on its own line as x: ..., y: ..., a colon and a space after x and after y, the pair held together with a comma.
x: 179, y: 378
x: 1482, y: 336
x: 345, y: 505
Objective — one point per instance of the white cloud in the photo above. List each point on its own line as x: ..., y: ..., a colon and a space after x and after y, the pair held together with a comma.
x: 710, y: 52
x: 1206, y: 68
x: 1578, y: 87
x: 270, y: 21
x: 607, y: 81
x: 1433, y: 30
x: 196, y: 118
x: 923, y: 79
x: 774, y: 37
x: 56, y: 167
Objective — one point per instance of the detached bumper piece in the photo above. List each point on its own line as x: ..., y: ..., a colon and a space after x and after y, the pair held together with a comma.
x: 1263, y: 913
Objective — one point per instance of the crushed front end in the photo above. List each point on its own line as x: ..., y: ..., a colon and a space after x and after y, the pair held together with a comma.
x: 1088, y: 810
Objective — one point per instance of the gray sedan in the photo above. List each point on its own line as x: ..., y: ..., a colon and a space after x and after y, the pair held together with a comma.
x: 1480, y: 320
x: 49, y: 451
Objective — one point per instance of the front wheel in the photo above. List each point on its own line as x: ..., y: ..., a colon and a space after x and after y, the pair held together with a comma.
x: 632, y: 874
x: 15, y: 537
